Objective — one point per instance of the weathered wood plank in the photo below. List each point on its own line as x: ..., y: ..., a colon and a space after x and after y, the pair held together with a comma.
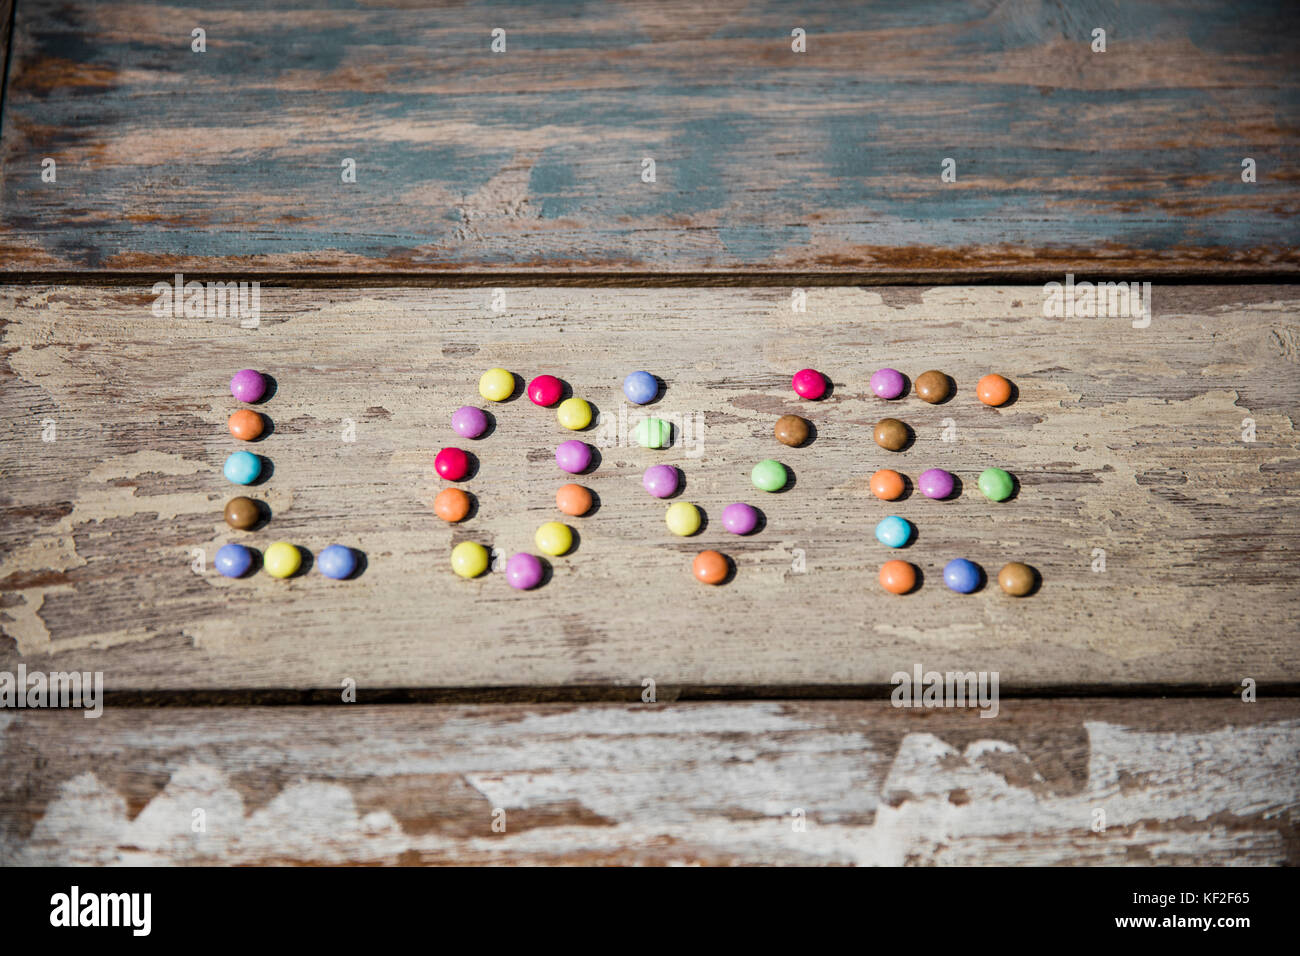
x: 531, y: 159
x: 1127, y: 440
x: 1047, y: 782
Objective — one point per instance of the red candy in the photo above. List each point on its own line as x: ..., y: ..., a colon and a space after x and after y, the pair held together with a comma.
x: 452, y: 464
x: 545, y: 390
x: 810, y: 383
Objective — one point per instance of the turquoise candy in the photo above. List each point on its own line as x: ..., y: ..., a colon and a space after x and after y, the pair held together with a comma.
x: 243, y: 467
x: 894, y: 532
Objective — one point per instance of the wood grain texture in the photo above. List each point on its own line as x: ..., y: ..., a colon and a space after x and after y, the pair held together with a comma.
x: 1122, y: 439
x: 531, y: 160
x: 1175, y: 782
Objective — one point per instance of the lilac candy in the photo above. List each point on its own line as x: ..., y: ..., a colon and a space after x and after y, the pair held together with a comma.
x: 739, y: 518
x: 469, y: 422
x: 888, y: 383
x: 660, y: 480
x: 573, y: 456
x: 524, y: 571
x: 936, y: 483
x: 248, y: 385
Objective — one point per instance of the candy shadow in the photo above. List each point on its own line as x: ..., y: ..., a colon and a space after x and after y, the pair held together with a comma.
x: 758, y: 528
x: 957, y: 488
x: 920, y: 582
x: 263, y: 515
x: 308, y: 562
x: 1015, y: 395
x: 908, y: 488
x: 731, y: 571
x: 268, y: 429
x: 790, y: 481
x: 595, y: 506
x: 591, y: 466
x: 661, y: 390
x: 472, y: 461
x: 362, y: 564
x: 254, y: 567
x: 704, y: 523
x: 681, y: 485
x: 547, y: 572
x: 473, y: 508
x: 595, y: 418
x: 577, y: 542
x: 1015, y: 490
x: 272, y: 386
x: 491, y: 426
x: 264, y: 475
x: 521, y: 387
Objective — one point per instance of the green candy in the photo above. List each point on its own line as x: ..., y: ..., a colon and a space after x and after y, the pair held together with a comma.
x: 769, y: 475
x: 653, y: 433
x: 996, y: 484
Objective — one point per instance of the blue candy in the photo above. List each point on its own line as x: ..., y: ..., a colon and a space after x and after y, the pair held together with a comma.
x: 640, y: 387
x: 233, y: 560
x: 337, y: 562
x: 243, y: 467
x: 961, y: 575
x: 894, y: 532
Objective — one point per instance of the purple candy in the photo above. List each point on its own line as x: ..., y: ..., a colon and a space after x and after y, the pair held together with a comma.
x: 248, y: 385
x: 936, y: 483
x: 573, y: 456
x: 469, y: 422
x: 660, y: 480
x: 739, y: 518
x: 888, y: 383
x: 524, y: 571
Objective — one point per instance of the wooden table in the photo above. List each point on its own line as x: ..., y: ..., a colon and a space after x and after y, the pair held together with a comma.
x: 797, y: 217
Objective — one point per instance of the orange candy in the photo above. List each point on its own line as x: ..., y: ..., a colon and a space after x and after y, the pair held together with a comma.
x: 897, y: 577
x: 573, y: 500
x: 452, y: 504
x: 710, y: 567
x: 993, y: 389
x: 245, y: 424
x: 887, y: 484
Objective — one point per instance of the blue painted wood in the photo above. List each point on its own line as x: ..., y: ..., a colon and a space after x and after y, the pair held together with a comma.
x: 765, y: 159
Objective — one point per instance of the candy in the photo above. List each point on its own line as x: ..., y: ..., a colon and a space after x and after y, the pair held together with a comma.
x: 545, y: 390
x: 248, y: 385
x: 242, y: 513
x: 246, y: 424
x: 554, y: 538
x: 574, y: 414
x: 888, y: 383
x: 769, y: 475
x: 282, y: 560
x: 936, y: 483
x: 496, y: 385
x: 932, y: 386
x: 573, y: 456
x: 961, y: 575
x: 710, y: 567
x: 640, y: 388
x: 1017, y: 579
x: 451, y: 464
x: 683, y: 518
x: 452, y: 504
x: 993, y: 389
x: 337, y: 562
x: 469, y: 422
x: 887, y: 485
x: 524, y: 571
x: 809, y: 383
x: 660, y: 480
x: 996, y: 484
x: 653, y: 433
x: 792, y: 430
x: 739, y: 518
x: 897, y: 577
x: 890, y: 434
x: 242, y: 468
x: 893, y: 532
x: 573, y: 500
x: 469, y: 559
x: 233, y: 560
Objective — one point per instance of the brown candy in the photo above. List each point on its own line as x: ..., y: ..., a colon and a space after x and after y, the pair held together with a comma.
x: 1016, y: 579
x: 242, y: 513
x: 931, y: 386
x: 791, y: 430
x: 890, y: 433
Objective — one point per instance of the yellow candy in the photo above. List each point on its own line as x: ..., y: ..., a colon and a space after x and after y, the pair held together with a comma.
x: 554, y: 538
x: 282, y: 559
x: 683, y: 518
x: 469, y: 559
x: 574, y: 413
x: 496, y: 385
